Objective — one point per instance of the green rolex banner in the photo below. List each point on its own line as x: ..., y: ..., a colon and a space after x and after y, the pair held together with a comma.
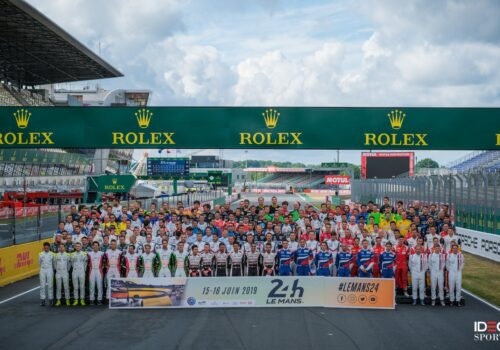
x: 251, y: 127
x: 111, y: 183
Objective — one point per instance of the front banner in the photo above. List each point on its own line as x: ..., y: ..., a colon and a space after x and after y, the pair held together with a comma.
x: 371, y: 293
x: 19, y: 261
x: 484, y: 244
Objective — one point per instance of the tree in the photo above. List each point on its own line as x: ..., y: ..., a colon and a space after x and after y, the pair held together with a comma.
x: 427, y: 163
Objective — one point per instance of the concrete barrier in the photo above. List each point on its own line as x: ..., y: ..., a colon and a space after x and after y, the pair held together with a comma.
x: 486, y: 245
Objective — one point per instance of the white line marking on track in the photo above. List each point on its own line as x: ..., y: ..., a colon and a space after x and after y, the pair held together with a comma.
x: 481, y: 299
x: 19, y: 295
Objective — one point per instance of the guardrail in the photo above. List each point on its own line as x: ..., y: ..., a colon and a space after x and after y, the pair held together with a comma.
x: 28, y: 224
x: 473, y: 197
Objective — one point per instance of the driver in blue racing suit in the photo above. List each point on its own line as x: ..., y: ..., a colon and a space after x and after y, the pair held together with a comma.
x: 303, y: 257
x: 343, y: 262
x: 284, y: 258
x: 323, y: 260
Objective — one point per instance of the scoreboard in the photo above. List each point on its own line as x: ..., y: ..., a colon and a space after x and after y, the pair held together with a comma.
x: 386, y: 165
x: 217, y: 178
x: 168, y: 166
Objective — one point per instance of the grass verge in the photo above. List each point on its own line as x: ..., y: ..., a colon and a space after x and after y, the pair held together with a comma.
x: 481, y: 276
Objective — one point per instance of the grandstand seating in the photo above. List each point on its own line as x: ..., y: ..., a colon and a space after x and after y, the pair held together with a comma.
x: 296, y: 180
x: 11, y: 96
x: 34, y: 99
x: 483, y: 160
x: 6, y: 98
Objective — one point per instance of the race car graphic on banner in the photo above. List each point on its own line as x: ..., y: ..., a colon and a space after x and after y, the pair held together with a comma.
x: 146, y: 292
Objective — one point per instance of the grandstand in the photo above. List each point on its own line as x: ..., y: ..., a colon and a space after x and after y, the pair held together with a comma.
x: 295, y: 179
x: 38, y: 58
x: 488, y: 161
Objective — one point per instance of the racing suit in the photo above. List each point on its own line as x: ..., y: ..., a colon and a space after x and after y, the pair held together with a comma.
x: 303, y: 258
x: 292, y: 247
x: 323, y: 260
x: 354, y: 251
x: 165, y: 262
x: 333, y: 246
x: 377, y: 250
x: 437, y: 263
x: 214, y: 246
x: 343, y: 262
x: 418, y: 266
x: 236, y: 261
x: 246, y: 247
x: 79, y: 261
x: 366, y: 260
x: 253, y: 260
x: 313, y: 245
x: 268, y: 260
x: 180, y: 263
x: 62, y: 265
x: 207, y: 260
x: 113, y: 266
x: 130, y: 264
x: 284, y: 258
x: 149, y: 264
x: 194, y: 265
x: 401, y: 266
x: 455, y: 265
x: 96, y: 274
x: 386, y: 264
x: 349, y: 241
x: 46, y: 262
x: 221, y: 264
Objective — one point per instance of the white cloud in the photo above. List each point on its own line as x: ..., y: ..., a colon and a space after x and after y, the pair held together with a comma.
x: 322, y: 53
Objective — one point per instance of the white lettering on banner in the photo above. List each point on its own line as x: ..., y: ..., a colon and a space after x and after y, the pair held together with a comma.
x: 267, y: 190
x: 480, y: 243
x: 337, y: 180
x: 330, y: 192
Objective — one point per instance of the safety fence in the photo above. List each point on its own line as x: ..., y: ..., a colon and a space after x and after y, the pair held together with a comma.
x: 27, y: 224
x: 473, y: 198
x: 187, y: 199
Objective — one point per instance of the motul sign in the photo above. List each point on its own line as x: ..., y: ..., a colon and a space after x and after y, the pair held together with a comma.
x: 337, y: 180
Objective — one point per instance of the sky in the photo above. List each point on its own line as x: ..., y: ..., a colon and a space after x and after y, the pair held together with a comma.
x: 295, y: 53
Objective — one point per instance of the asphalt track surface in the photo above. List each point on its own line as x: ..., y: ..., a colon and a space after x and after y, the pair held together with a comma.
x: 24, y: 324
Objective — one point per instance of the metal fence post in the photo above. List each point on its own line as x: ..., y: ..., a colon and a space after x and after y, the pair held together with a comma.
x: 13, y: 223
x: 470, y: 217
x: 59, y: 211
x: 477, y: 201
x: 495, y: 202
x: 486, y: 206
x: 38, y: 222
